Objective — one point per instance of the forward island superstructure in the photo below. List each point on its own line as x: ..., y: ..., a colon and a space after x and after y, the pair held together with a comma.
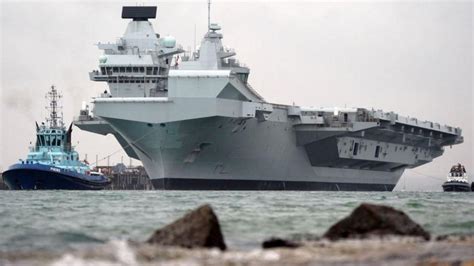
x: 195, y: 122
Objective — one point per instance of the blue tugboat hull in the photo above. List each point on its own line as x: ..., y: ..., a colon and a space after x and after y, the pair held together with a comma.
x: 37, y: 176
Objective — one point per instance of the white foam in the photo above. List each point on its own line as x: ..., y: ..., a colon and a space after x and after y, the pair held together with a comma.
x: 121, y: 255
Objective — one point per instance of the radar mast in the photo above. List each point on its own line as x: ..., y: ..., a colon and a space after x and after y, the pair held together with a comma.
x: 55, y: 118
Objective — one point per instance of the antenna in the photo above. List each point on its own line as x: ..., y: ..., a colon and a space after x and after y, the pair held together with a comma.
x: 208, y: 15
x: 55, y: 118
x: 194, y: 47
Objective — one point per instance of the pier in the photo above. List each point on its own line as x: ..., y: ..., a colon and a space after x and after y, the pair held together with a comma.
x: 126, y: 178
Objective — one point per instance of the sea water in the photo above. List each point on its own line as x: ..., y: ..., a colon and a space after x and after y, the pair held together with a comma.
x: 62, y: 220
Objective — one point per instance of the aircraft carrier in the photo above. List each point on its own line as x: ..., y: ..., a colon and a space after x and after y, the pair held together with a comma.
x: 195, y: 122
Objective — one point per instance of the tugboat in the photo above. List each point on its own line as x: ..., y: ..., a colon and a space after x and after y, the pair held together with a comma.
x: 52, y: 162
x: 457, y: 180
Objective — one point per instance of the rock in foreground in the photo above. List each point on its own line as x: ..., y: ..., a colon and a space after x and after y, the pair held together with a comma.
x: 198, y: 228
x: 375, y: 220
x: 279, y: 243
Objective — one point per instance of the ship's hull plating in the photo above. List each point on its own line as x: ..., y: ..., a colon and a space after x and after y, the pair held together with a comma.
x: 43, y: 177
x: 232, y: 184
x: 233, y: 154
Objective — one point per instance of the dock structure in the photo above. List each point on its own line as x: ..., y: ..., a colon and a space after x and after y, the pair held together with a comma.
x: 126, y: 178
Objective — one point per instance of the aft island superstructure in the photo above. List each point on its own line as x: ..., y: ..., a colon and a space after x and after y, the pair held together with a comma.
x: 195, y: 122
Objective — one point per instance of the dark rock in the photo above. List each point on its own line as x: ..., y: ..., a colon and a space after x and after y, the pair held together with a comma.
x: 198, y: 228
x: 375, y: 220
x: 279, y: 243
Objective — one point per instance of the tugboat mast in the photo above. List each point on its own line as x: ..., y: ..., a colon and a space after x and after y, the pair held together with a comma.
x: 55, y: 119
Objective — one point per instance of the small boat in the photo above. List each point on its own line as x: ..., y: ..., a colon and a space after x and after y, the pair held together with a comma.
x: 457, y: 180
x: 53, y: 163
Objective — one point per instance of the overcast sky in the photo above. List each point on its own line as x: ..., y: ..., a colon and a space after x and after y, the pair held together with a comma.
x: 414, y: 58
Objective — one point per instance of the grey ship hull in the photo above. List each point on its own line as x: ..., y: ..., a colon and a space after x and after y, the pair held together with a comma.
x: 221, y: 153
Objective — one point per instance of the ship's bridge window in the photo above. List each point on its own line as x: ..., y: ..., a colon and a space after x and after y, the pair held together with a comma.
x: 135, y: 69
x: 149, y: 70
x: 377, y: 151
x: 122, y: 69
x: 356, y: 149
x: 115, y: 69
x: 155, y: 71
x: 129, y: 69
x: 243, y: 77
x: 102, y: 70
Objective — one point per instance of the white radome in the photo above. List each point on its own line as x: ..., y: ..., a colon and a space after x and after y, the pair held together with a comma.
x: 169, y: 41
x: 102, y: 59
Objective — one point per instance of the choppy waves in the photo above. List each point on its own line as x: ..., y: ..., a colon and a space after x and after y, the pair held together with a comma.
x: 61, y: 220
